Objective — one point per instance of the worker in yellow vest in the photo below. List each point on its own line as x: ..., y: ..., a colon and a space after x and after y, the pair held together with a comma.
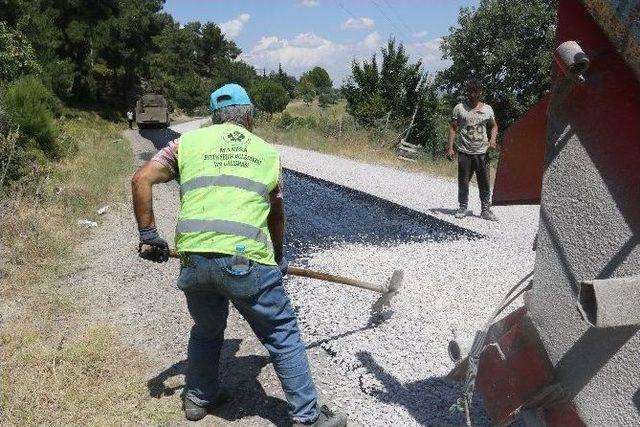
x: 230, y: 239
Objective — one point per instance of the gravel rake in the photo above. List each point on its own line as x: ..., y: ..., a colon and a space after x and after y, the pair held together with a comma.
x: 388, y: 290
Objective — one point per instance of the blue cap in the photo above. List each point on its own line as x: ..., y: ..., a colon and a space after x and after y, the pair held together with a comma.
x: 228, y: 95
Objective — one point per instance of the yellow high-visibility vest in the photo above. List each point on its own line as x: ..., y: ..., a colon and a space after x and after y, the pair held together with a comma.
x: 226, y: 174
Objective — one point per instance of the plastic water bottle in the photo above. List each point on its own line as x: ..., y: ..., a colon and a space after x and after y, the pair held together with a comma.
x: 239, y: 263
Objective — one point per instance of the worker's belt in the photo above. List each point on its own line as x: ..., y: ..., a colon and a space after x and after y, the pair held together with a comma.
x: 186, y: 261
x: 225, y: 181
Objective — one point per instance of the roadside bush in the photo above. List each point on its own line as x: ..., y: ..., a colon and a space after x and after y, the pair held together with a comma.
x: 369, y: 111
x: 287, y: 121
x: 190, y: 93
x: 31, y: 107
x: 269, y: 96
x: 328, y: 97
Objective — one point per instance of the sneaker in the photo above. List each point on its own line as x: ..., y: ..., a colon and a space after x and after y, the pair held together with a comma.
x: 460, y: 213
x: 195, y: 412
x: 488, y: 215
x: 327, y: 418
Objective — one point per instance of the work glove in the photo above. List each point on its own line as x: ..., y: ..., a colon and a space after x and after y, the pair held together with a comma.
x: 155, y: 248
x: 283, y: 265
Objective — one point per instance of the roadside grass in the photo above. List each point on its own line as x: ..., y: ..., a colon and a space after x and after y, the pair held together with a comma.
x: 333, y: 132
x: 55, y: 368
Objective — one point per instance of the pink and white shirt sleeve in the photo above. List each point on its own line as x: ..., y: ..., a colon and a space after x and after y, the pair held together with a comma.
x: 168, y: 156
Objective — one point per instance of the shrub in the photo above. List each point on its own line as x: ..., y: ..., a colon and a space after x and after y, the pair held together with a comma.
x: 269, y: 96
x: 190, y: 93
x: 58, y: 75
x: 16, y: 54
x: 319, y: 79
x: 328, y: 97
x: 369, y: 111
x: 287, y: 121
x: 307, y: 91
x: 31, y: 107
x: 4, y: 121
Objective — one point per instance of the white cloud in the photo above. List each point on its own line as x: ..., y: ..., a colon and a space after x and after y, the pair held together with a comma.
x: 310, y: 3
x: 234, y: 27
x: 430, y: 54
x: 372, y: 41
x: 358, y: 23
x: 420, y: 34
x: 309, y: 40
x: 296, y: 55
x: 266, y: 43
x: 306, y: 50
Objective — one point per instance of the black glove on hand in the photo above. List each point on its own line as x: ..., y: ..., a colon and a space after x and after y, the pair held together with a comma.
x: 157, y: 248
x: 283, y: 264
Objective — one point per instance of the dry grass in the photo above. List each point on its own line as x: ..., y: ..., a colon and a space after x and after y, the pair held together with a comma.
x: 353, y: 142
x: 56, y: 369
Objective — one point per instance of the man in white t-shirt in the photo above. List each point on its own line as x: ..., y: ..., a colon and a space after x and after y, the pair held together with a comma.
x: 468, y: 130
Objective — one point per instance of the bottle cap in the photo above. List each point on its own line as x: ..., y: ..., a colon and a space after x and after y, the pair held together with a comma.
x: 239, y: 248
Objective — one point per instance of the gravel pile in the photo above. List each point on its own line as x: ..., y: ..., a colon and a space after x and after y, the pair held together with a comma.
x: 456, y: 271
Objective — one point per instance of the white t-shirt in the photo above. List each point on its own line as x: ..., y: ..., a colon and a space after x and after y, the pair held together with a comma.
x: 472, y: 128
x: 129, y: 115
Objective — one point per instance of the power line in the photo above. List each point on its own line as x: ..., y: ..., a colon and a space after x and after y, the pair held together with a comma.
x: 346, y: 10
x: 398, y: 16
x: 389, y: 19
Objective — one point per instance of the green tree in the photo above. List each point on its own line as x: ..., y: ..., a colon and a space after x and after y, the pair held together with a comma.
x: 397, y: 89
x: 508, y: 45
x: 319, y: 78
x: 123, y: 45
x: 16, y: 55
x: 214, y: 48
x: 269, y: 96
x: 306, y: 90
x: 106, y: 53
x: 174, y: 58
x: 190, y: 92
x: 31, y: 107
x: 230, y: 71
x: 285, y: 80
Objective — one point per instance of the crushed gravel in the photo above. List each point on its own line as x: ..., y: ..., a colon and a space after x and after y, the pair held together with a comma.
x: 348, y: 218
x: 456, y: 271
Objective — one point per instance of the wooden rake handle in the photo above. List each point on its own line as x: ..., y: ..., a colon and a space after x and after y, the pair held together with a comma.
x: 304, y: 272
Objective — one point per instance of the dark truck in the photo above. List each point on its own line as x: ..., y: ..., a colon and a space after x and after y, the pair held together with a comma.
x: 151, y: 109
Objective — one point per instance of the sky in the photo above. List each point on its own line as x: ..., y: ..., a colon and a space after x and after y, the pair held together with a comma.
x: 300, y: 34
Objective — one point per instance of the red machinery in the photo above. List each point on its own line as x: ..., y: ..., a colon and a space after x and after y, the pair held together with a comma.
x: 571, y: 355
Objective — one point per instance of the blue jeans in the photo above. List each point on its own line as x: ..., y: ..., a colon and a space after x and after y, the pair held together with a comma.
x: 261, y: 299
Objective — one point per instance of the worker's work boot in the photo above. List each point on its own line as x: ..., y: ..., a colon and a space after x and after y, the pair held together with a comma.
x: 194, y: 412
x: 488, y: 215
x: 460, y: 213
x: 327, y: 418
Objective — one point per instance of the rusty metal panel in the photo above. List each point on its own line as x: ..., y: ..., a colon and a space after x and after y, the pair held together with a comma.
x: 513, y: 368
x: 519, y: 174
x: 620, y: 21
